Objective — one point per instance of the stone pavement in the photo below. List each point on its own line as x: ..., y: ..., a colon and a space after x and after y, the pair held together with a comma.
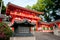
x: 39, y: 36
x: 46, y: 36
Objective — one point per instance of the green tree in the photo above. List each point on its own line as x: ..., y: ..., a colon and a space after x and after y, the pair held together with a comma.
x: 44, y: 6
x: 28, y: 7
x: 39, y: 6
x: 0, y: 2
x: 56, y: 9
x: 50, y: 8
x: 3, y: 7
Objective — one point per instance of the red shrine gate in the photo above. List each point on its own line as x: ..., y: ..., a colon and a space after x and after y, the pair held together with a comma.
x: 20, y: 13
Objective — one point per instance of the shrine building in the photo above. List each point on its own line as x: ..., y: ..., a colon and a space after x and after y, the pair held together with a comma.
x: 49, y: 26
x: 20, y: 13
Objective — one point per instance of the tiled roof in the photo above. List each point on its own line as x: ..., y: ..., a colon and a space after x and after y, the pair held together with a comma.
x: 22, y: 8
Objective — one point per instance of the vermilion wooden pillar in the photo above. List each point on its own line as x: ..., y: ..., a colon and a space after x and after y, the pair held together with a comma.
x: 36, y: 26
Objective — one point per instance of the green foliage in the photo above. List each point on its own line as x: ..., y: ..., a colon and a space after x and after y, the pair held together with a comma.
x: 0, y: 2
x: 39, y: 6
x: 43, y: 28
x: 47, y: 6
x: 34, y: 29
x: 5, y: 31
x: 29, y: 7
x: 43, y: 6
x: 51, y: 28
x: 3, y: 8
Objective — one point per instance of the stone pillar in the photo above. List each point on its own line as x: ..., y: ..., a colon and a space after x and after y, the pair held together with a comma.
x: 56, y: 31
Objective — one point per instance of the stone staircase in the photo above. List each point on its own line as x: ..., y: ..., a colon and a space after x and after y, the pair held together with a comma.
x: 23, y: 38
x: 23, y: 35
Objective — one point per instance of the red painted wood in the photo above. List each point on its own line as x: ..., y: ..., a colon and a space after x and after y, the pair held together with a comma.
x: 20, y: 13
x: 0, y: 19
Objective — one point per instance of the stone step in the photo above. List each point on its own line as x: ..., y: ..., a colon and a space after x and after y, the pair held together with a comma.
x: 23, y: 34
x: 23, y: 38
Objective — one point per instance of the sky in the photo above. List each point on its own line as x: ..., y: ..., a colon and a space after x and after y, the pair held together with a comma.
x: 22, y: 3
